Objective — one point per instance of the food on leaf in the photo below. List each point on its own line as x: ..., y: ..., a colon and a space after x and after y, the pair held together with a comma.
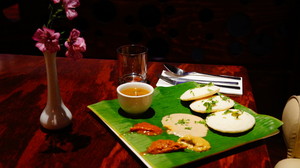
x: 164, y: 146
x: 181, y: 124
x: 197, y: 144
x: 212, y: 104
x: 200, y: 92
x: 230, y: 121
x: 146, y: 128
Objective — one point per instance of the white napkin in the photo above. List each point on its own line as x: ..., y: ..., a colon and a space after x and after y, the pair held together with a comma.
x: 199, y: 76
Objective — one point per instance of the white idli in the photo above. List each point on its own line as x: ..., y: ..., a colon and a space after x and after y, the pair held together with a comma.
x: 199, y: 92
x: 212, y: 104
x: 230, y: 121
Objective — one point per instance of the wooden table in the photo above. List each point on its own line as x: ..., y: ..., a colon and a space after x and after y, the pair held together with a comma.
x: 88, y: 142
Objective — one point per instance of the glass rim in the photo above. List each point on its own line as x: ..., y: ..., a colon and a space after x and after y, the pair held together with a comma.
x: 143, y: 49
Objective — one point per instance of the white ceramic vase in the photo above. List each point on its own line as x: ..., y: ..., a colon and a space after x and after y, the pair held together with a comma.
x: 55, y: 115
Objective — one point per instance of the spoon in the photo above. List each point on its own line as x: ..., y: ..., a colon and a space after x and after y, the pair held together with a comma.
x: 180, y: 72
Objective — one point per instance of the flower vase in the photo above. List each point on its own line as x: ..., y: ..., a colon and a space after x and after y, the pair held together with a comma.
x: 55, y: 115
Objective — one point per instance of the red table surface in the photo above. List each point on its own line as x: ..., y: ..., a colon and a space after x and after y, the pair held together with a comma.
x: 88, y: 142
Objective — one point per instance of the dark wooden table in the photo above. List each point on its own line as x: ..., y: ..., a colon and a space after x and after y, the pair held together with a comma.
x: 87, y: 142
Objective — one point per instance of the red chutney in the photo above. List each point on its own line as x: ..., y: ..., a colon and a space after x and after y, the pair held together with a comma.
x: 146, y: 128
x: 164, y: 146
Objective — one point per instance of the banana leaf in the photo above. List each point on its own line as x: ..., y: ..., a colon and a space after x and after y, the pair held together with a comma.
x: 166, y: 101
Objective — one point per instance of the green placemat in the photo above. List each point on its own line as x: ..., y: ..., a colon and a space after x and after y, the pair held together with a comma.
x: 166, y: 101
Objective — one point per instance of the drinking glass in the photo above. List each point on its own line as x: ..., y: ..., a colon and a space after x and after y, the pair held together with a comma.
x: 132, y: 63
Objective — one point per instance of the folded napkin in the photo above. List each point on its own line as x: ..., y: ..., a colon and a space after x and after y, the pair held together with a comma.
x: 199, y: 76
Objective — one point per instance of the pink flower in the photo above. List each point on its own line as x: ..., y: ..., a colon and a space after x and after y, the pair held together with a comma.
x: 70, y: 6
x: 56, y: 1
x: 47, y: 40
x: 75, y: 45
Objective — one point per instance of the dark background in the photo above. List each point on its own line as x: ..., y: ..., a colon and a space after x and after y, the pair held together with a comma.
x: 262, y: 35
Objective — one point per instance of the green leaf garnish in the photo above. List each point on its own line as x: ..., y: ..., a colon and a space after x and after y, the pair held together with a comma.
x: 200, y: 122
x: 191, y: 92
x: 205, y: 84
x: 188, y: 128
x: 210, y: 104
x: 235, y: 114
x: 183, y: 121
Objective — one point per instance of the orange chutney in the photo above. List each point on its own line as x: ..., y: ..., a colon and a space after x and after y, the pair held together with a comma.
x: 164, y: 146
x: 146, y: 128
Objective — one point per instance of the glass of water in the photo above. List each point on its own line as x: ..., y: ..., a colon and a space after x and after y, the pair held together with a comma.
x: 132, y: 63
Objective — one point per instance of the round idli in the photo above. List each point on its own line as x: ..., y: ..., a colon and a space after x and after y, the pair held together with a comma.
x: 212, y: 104
x: 230, y: 121
x: 199, y: 92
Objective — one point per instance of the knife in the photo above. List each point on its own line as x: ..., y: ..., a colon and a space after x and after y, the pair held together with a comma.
x: 174, y: 82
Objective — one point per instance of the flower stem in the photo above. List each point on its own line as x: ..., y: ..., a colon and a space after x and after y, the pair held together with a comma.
x: 54, y: 11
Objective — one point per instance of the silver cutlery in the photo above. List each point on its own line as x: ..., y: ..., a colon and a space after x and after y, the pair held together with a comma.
x: 206, y: 81
x: 181, y: 72
x: 174, y: 82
